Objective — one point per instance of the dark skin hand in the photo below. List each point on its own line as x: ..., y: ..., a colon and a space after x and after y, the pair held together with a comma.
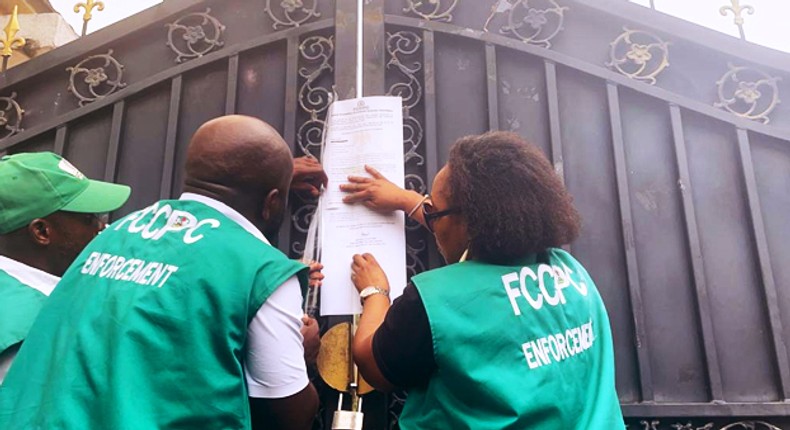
x: 366, y: 272
x: 310, y: 329
x: 309, y: 177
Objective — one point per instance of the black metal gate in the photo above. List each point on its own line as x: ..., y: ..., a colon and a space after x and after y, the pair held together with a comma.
x: 659, y: 128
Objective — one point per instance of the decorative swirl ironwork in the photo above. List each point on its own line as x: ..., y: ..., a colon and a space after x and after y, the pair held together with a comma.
x: 415, y: 182
x: 302, y: 217
x: 414, y: 264
x: 432, y: 10
x: 314, y: 99
x: 103, y: 75
x: 400, y: 44
x: 639, y: 55
x: 750, y: 425
x: 737, y: 12
x: 10, y: 117
x: 395, y: 407
x: 294, y: 12
x: 202, y: 33
x: 740, y: 425
x: 530, y: 23
x: 748, y: 93
x: 316, y: 55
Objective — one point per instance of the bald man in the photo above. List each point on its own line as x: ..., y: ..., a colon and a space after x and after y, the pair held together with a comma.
x: 180, y: 312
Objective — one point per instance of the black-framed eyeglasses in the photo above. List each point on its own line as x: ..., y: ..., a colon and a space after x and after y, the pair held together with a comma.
x: 430, y: 214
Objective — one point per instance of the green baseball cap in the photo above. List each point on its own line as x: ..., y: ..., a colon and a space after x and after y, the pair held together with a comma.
x: 37, y: 184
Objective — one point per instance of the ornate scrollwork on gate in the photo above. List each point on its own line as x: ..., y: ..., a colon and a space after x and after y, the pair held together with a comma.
x: 96, y: 77
x: 414, y: 263
x: 639, y: 55
x: 432, y: 10
x: 11, y: 114
x: 750, y: 425
x: 294, y: 12
x: 740, y: 425
x: 314, y: 99
x: 401, y: 44
x: 748, y: 93
x: 315, y: 54
x: 533, y: 21
x: 194, y: 35
x: 396, y: 401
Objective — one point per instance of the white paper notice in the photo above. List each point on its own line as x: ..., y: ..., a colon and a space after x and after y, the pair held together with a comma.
x: 359, y: 132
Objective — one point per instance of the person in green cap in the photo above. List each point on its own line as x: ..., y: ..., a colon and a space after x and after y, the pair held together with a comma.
x: 49, y: 211
x: 513, y: 333
x: 180, y: 315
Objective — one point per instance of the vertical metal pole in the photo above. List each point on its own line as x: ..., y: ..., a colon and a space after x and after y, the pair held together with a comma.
x: 168, y: 164
x: 493, y: 90
x: 634, y: 285
x: 115, y: 141
x: 552, y: 94
x: 764, y: 257
x: 697, y: 261
x: 359, y: 47
x: 60, y: 139
x: 289, y: 132
x: 346, y: 37
x: 233, y: 84
x: 374, y: 49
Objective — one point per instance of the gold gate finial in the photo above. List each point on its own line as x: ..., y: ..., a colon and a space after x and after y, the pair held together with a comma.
x: 88, y: 5
x: 11, y: 40
x: 737, y: 10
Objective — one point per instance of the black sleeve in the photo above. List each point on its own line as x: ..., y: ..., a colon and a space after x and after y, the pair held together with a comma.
x: 403, y: 345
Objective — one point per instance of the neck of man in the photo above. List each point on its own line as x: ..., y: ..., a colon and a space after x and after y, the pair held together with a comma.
x: 234, y: 199
x: 20, y: 251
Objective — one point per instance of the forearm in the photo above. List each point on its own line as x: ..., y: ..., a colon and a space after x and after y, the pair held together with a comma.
x: 409, y: 201
x: 374, y: 311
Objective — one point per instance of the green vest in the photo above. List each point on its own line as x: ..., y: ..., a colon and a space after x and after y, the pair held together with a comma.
x: 147, y: 328
x: 19, y: 306
x: 516, y: 348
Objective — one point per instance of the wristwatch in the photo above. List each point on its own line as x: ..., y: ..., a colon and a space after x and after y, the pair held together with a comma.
x: 369, y: 291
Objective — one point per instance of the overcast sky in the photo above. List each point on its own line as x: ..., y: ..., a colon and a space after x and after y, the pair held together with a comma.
x: 114, y: 10
x: 767, y: 26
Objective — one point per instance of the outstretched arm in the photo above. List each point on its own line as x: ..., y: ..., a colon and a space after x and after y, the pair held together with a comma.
x: 379, y: 194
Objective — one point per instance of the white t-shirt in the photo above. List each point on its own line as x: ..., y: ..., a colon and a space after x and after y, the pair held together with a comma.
x: 33, y: 278
x: 274, y: 366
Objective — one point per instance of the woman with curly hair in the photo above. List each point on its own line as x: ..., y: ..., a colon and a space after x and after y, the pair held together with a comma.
x: 512, y: 333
